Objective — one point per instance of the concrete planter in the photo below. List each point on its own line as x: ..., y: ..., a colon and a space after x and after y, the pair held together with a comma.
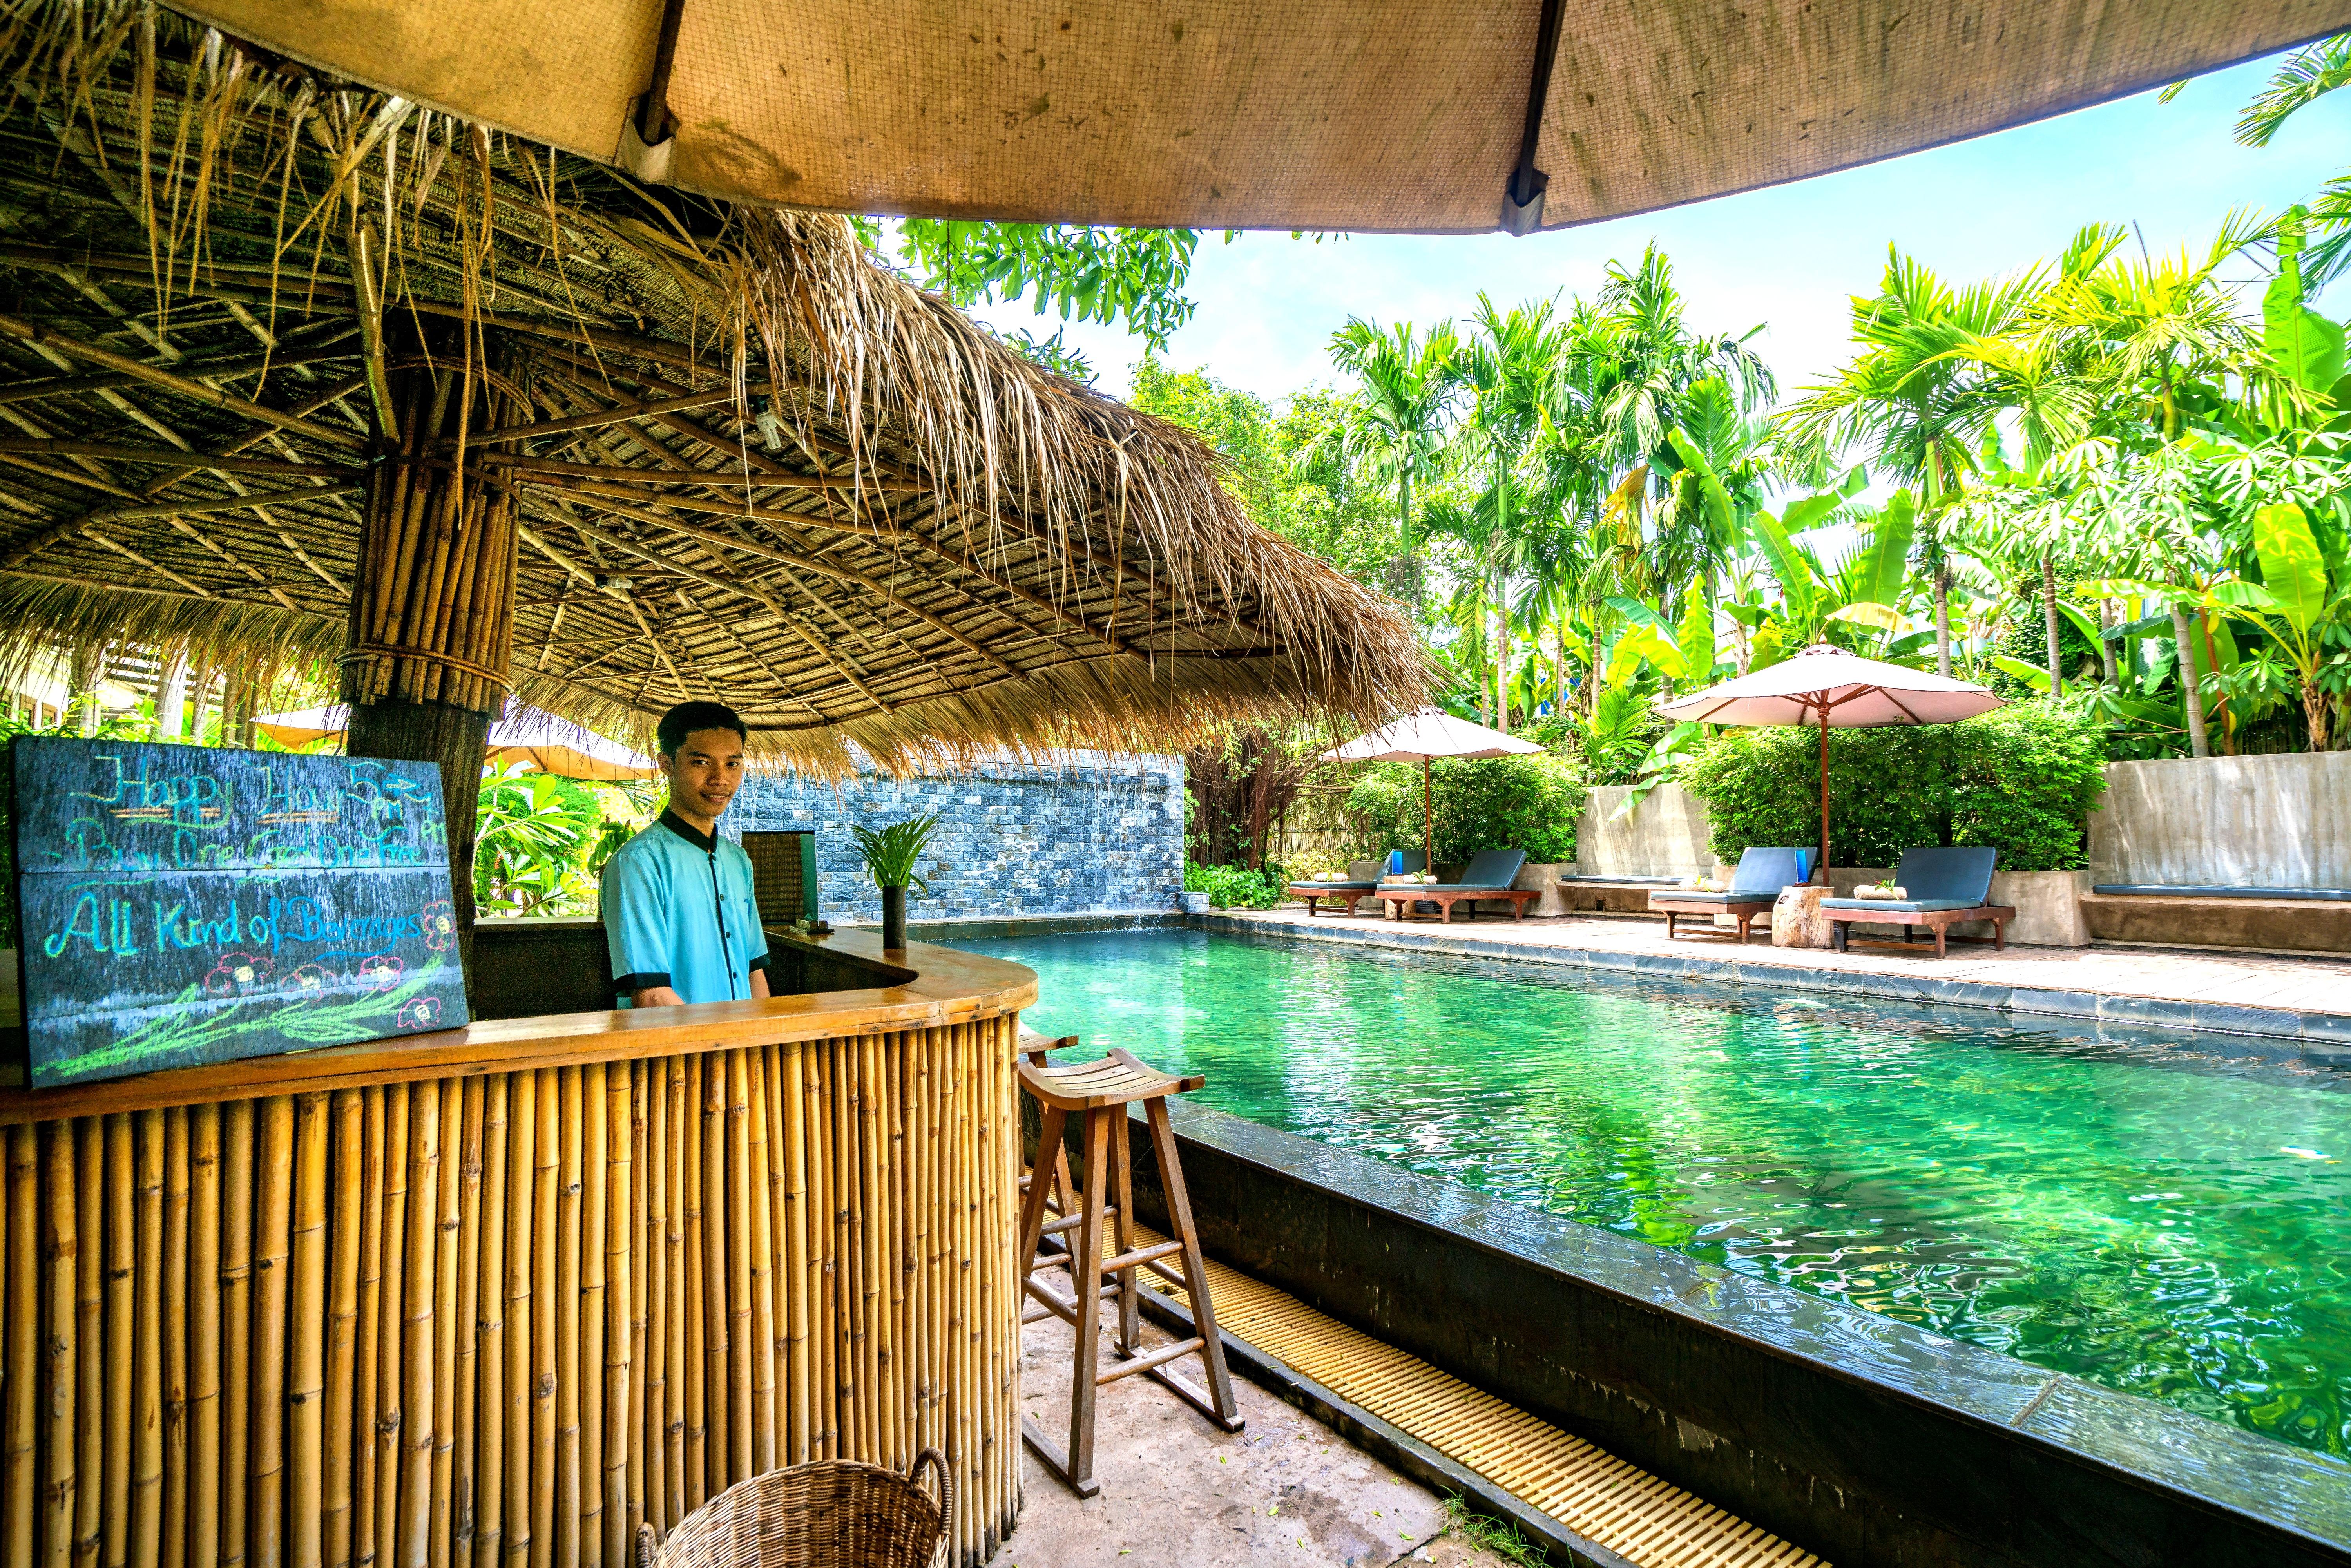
x: 1545, y: 879
x: 2048, y: 905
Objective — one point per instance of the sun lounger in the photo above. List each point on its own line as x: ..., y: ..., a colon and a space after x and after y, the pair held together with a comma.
x: 1946, y: 887
x: 1343, y: 895
x: 1755, y: 888
x: 1488, y: 877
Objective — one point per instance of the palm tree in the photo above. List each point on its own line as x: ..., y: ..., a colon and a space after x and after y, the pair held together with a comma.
x: 1407, y: 386
x: 1507, y: 371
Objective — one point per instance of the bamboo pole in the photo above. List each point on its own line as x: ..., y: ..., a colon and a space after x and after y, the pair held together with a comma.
x: 568, y: 1199
x: 90, y: 1339
x: 306, y: 1371
x: 204, y: 1335
x: 465, y: 1456
x: 119, y: 1197
x: 618, y: 1450
x: 791, y: 1103
x: 273, y: 1243
x: 761, y: 1337
x: 664, y: 1333
x: 173, y: 1312
x: 349, y: 1144
x: 643, y: 1452
x: 844, y: 1250
x: 391, y: 1410
x: 367, y: 1360
x: 61, y: 1244
x: 522, y: 1132
x: 20, y: 1377
x: 418, y: 1352
x: 872, y: 1225
x: 448, y: 1326
x: 490, y: 1339
x: 548, y: 1141
x: 692, y: 1372
x: 727, y: 1154
x: 588, y: 1365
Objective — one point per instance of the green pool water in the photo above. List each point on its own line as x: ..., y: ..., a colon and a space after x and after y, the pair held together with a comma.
x: 2165, y: 1214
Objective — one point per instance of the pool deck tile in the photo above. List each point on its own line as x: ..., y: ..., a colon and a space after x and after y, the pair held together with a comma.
x: 2307, y: 998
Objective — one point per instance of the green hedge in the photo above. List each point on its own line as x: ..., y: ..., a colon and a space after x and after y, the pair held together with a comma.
x: 1529, y: 803
x: 2024, y: 778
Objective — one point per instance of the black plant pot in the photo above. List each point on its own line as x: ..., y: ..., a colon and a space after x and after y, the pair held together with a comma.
x: 894, y: 918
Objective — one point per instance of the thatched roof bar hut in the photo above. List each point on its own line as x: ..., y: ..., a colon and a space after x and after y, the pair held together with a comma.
x: 294, y: 371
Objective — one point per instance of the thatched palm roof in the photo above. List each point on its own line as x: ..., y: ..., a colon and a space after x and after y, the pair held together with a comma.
x: 759, y: 466
x: 1284, y: 114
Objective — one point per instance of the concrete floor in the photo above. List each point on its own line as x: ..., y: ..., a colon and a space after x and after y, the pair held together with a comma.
x: 2321, y: 985
x: 1178, y: 1493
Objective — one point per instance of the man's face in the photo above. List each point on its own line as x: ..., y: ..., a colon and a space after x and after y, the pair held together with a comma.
x: 704, y: 771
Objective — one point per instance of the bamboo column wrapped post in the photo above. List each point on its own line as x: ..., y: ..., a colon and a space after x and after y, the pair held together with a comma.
x: 305, y: 1437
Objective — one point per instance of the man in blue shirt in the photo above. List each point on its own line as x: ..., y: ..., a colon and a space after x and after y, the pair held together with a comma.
x: 677, y: 899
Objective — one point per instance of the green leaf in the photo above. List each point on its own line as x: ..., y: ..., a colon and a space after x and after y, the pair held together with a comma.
x: 1698, y: 630
x: 2291, y: 568
x: 1767, y: 650
x: 2306, y: 348
x: 2032, y: 675
x: 1868, y: 613
x: 1642, y: 640
x: 1789, y: 565
x: 1887, y: 564
x: 2082, y: 622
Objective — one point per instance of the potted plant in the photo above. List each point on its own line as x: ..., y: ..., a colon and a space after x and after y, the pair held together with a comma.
x: 889, y: 854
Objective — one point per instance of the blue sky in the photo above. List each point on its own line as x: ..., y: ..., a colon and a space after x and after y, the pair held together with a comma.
x: 1788, y: 257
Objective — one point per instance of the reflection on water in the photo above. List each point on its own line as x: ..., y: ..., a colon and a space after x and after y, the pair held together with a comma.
x: 2175, y: 1222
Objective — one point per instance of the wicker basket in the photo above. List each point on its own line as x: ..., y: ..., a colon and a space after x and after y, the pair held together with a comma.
x: 836, y: 1514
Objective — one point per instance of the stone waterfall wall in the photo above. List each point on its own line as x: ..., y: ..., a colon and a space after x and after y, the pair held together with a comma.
x: 1083, y: 832
x: 1666, y: 835
x: 2281, y: 820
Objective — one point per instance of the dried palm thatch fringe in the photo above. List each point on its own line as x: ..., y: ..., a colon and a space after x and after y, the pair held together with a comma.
x: 753, y: 461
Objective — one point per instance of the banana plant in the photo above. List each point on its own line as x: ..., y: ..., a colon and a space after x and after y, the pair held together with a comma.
x: 2305, y: 609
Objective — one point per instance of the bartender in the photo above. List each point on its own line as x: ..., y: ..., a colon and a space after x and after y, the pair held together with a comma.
x: 677, y: 900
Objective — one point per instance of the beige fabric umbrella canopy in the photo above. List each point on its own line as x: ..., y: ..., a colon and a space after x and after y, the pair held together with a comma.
x: 1421, y: 737
x: 1827, y: 687
x: 1376, y: 115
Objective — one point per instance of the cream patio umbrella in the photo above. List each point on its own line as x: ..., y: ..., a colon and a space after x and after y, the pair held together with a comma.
x: 541, y: 740
x: 1828, y: 686
x: 1421, y: 737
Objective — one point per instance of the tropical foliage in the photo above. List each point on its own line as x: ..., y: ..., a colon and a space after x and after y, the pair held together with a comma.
x: 2116, y: 481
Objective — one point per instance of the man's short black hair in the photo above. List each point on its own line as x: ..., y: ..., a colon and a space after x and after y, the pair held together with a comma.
x: 686, y: 717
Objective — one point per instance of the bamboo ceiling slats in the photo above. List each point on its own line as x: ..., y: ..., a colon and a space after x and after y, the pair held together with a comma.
x: 735, y: 441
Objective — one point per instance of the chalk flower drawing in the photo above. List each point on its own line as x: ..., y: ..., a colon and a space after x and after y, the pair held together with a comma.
x: 309, y: 980
x: 237, y: 972
x: 439, y: 923
x: 419, y: 1012
x: 381, y: 970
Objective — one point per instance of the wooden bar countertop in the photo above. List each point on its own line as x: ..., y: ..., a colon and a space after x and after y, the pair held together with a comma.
x: 919, y: 986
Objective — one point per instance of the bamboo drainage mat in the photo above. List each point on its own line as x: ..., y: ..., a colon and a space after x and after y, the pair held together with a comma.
x: 1599, y: 1497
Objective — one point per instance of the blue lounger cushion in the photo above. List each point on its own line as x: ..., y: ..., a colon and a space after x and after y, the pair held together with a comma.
x: 1902, y: 905
x: 1495, y: 869
x: 1402, y: 861
x: 1764, y: 870
x: 1959, y: 877
x: 1336, y: 886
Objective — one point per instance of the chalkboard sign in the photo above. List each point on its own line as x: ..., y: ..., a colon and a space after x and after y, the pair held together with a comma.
x: 179, y: 905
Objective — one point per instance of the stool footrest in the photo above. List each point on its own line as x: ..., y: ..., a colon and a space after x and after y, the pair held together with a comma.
x: 1071, y: 1222
x: 1159, y: 1357
x: 1140, y: 1257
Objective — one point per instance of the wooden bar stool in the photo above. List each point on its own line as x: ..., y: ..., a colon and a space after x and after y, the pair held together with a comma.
x: 1100, y: 1093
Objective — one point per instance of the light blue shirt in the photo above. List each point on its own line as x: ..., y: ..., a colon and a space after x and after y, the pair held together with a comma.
x: 679, y: 910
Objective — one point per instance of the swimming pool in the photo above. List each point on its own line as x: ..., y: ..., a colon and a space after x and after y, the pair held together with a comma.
x: 2164, y: 1213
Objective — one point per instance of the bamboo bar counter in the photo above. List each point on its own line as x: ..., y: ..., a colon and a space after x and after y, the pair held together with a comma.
x: 492, y: 1296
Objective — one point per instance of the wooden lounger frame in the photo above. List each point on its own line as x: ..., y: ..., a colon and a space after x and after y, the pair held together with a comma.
x: 1939, y: 921
x: 1339, y: 893
x: 1744, y: 909
x: 1445, y: 897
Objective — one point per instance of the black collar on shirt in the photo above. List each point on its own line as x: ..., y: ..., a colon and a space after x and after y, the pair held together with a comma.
x: 690, y: 833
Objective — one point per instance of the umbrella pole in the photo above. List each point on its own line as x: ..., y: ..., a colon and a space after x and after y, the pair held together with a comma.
x: 1427, y: 805
x: 1824, y: 794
